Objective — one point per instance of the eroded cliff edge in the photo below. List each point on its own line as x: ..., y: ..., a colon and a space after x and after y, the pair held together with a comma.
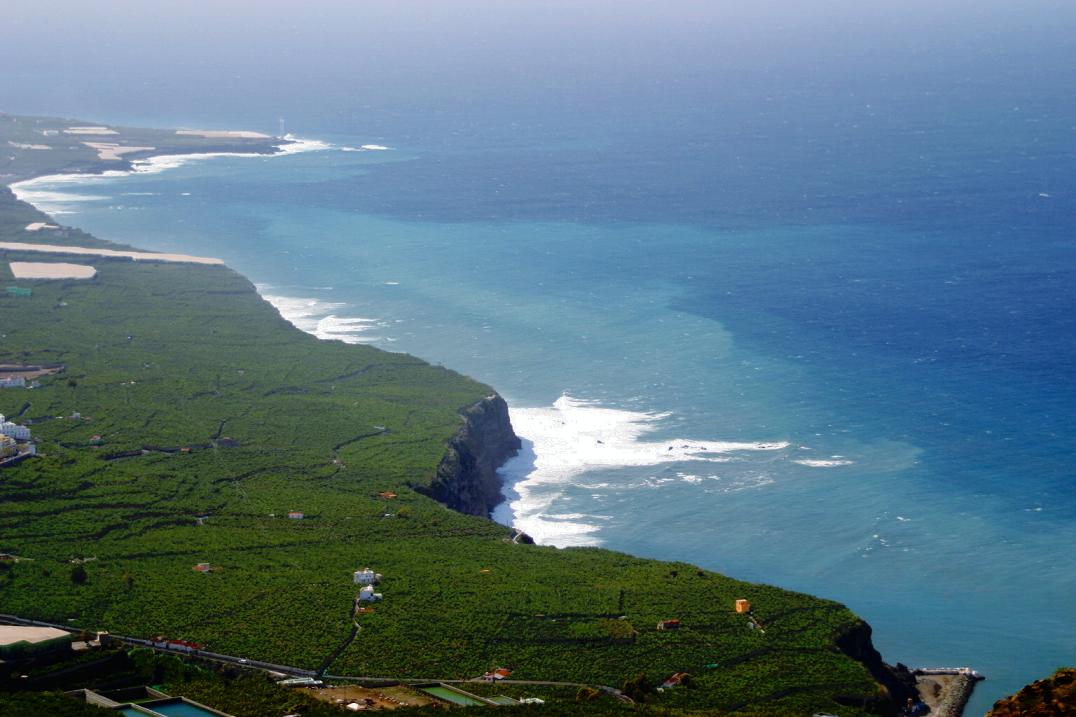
x: 899, y: 683
x: 466, y: 478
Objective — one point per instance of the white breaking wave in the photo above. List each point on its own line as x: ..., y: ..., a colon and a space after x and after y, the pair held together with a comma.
x: 42, y: 191
x: 366, y: 148
x: 319, y: 318
x: 298, y: 144
x: 572, y: 437
x: 820, y: 463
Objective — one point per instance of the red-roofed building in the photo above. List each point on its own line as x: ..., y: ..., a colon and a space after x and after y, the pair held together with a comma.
x: 498, y: 674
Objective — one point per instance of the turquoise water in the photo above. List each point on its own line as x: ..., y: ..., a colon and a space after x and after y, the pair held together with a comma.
x: 784, y: 292
x: 180, y: 709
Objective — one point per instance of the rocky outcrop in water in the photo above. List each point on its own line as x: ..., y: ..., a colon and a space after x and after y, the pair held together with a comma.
x: 467, y: 478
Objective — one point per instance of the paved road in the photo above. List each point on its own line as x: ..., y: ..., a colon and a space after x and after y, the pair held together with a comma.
x: 298, y: 671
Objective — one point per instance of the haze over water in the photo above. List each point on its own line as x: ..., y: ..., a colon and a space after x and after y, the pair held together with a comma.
x: 784, y: 293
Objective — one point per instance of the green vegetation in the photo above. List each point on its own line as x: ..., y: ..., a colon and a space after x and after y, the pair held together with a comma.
x: 191, y: 418
x: 53, y: 704
x: 250, y: 696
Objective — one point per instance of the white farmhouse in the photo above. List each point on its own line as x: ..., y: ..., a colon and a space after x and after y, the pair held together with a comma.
x: 366, y: 576
x: 367, y: 594
x: 19, y: 433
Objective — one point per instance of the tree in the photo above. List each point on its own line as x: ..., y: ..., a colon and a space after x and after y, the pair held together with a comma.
x: 78, y: 575
x: 637, y: 687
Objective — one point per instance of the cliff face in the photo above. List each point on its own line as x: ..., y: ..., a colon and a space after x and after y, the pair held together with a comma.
x: 467, y: 478
x: 898, y: 681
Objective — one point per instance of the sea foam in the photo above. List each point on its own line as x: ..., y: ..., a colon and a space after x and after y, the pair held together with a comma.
x: 41, y: 191
x: 573, y: 437
x: 320, y: 318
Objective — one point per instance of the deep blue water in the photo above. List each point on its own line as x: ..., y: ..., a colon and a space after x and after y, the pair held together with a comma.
x: 864, y: 279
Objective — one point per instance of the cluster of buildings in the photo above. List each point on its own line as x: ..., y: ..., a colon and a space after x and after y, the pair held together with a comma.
x: 368, y: 579
x: 16, y: 382
x: 15, y: 442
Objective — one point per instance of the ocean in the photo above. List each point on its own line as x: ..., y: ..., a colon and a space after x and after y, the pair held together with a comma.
x: 813, y: 334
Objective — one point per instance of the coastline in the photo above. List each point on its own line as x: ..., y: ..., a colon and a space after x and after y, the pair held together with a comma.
x: 154, y: 164
x: 159, y: 163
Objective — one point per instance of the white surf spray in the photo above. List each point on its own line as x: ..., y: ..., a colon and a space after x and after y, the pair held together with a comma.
x: 366, y: 148
x: 45, y: 192
x: 320, y: 318
x: 572, y: 437
x: 834, y: 462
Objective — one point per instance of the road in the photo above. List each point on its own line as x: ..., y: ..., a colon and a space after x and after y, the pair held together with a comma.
x: 298, y: 671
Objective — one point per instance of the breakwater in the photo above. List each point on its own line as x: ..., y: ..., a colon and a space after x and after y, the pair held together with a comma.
x: 957, y: 693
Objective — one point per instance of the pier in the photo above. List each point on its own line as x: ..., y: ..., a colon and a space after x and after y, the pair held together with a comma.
x: 948, y: 695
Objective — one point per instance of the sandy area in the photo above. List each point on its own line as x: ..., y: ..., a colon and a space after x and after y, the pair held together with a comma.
x: 23, y: 145
x: 383, y: 697
x: 111, y: 150
x: 31, y: 270
x: 84, y: 251
x: 90, y: 130
x: 36, y: 226
x: 222, y: 134
x: 18, y: 633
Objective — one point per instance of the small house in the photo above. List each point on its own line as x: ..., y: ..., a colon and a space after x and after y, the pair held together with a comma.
x: 203, y: 567
x: 367, y: 594
x: 366, y: 576
x: 669, y: 625
x: 743, y: 606
x: 387, y: 494
x: 500, y: 673
x: 296, y: 514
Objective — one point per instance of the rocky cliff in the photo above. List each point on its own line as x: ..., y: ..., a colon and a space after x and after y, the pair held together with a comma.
x: 1054, y: 696
x: 897, y: 681
x: 467, y: 478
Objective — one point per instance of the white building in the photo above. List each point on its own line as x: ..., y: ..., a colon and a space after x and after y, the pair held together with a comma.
x: 19, y: 433
x: 15, y: 382
x: 366, y: 576
x: 367, y: 594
